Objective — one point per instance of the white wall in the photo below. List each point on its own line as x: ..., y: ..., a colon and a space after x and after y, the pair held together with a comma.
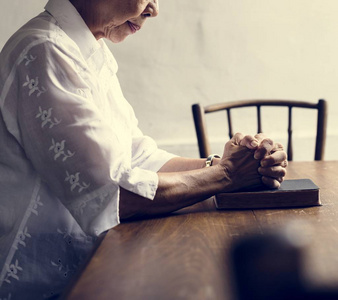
x: 222, y: 50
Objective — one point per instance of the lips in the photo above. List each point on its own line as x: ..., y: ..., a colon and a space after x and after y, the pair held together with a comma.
x: 133, y: 27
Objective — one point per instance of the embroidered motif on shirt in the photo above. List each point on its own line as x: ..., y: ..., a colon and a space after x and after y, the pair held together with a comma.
x: 20, y: 238
x: 68, y: 237
x: 59, y: 150
x: 109, y: 63
x: 36, y: 205
x: 74, y: 181
x: 57, y: 34
x: 23, y: 55
x: 64, y: 269
x: 82, y: 93
x: 29, y: 59
x: 85, y: 93
x: 11, y: 269
x: 98, y: 203
x: 95, y: 204
x: 12, y: 272
x: 33, y: 85
x: 46, y: 117
x: 79, y: 209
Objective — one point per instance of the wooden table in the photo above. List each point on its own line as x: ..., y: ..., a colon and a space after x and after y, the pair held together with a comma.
x: 185, y: 255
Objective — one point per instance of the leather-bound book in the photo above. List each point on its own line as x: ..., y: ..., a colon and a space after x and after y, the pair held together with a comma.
x: 291, y: 193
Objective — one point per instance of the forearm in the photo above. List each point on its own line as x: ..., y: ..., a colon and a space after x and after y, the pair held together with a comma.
x: 175, y: 191
x: 179, y: 164
x: 185, y: 181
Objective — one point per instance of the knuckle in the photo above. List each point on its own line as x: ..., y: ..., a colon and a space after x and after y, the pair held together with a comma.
x: 277, y: 147
x: 237, y: 137
x: 268, y: 141
x: 284, y: 156
x: 282, y: 172
x: 284, y: 164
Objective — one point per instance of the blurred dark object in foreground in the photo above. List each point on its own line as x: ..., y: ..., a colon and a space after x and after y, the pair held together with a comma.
x: 271, y: 267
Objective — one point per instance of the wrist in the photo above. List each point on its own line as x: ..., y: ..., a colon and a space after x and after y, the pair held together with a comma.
x: 225, y: 183
x: 211, y: 159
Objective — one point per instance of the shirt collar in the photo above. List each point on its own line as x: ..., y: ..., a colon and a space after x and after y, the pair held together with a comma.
x: 73, y: 25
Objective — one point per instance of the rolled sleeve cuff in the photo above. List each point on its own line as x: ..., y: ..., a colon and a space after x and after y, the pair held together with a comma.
x: 98, y: 211
x: 157, y: 160
x: 141, y: 182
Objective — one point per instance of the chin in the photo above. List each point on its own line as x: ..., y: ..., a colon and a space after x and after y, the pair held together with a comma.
x: 117, y: 39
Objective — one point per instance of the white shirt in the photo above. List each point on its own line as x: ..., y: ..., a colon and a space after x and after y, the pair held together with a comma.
x: 69, y: 140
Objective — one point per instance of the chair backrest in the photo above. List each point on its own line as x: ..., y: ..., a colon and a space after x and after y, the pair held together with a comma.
x: 202, y: 136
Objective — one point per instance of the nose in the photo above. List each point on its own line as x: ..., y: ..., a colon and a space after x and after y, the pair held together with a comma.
x: 151, y: 10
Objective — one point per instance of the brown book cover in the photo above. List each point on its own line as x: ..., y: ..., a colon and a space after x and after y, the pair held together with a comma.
x: 291, y: 193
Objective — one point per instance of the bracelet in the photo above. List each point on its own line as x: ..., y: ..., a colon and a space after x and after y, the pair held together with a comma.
x: 210, y: 158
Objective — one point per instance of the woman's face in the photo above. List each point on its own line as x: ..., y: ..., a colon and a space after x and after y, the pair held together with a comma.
x: 116, y: 19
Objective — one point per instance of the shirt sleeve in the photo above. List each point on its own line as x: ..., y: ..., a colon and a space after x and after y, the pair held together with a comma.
x: 146, y: 154
x: 68, y: 140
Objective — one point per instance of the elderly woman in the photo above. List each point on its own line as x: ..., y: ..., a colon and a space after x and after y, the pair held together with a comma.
x: 73, y: 161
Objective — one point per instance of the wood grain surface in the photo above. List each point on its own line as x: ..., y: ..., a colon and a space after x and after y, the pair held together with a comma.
x: 185, y: 255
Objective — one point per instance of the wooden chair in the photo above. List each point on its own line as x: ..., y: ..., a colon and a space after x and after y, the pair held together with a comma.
x: 202, y: 136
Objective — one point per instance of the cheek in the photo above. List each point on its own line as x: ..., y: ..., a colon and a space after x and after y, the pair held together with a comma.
x: 125, y: 12
x: 134, y: 7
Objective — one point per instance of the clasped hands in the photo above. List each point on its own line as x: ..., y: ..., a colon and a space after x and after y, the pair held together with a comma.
x: 253, y: 161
